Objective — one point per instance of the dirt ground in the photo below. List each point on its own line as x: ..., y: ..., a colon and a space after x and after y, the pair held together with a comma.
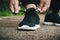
x: 8, y: 30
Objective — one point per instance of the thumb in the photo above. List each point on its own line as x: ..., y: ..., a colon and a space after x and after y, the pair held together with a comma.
x: 16, y: 7
x: 11, y: 8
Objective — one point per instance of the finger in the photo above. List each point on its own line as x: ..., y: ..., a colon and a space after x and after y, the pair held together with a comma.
x: 16, y: 7
x: 12, y: 8
x: 38, y: 9
x: 44, y: 9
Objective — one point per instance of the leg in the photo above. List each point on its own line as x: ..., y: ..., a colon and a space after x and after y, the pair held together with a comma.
x: 54, y: 7
x: 31, y: 19
x: 52, y: 17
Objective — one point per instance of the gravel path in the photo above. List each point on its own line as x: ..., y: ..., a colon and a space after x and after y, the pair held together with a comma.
x: 8, y: 30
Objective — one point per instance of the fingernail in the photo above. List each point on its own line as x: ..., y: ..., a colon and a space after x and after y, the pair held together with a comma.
x: 38, y: 9
x: 16, y: 11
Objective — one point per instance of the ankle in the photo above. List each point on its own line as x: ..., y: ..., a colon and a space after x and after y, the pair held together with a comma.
x: 31, y: 9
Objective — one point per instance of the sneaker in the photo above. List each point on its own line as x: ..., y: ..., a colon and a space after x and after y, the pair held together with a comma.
x: 30, y: 21
x: 52, y: 19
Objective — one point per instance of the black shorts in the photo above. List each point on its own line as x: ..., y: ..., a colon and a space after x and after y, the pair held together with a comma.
x: 55, y: 5
x: 25, y: 2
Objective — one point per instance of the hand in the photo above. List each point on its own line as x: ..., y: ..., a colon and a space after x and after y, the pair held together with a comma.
x: 44, y: 5
x: 14, y: 6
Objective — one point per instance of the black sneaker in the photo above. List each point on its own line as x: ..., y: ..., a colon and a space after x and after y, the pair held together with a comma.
x: 52, y: 19
x: 30, y: 21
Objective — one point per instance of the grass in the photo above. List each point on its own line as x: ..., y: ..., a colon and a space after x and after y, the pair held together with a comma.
x: 4, y: 9
x: 9, y: 13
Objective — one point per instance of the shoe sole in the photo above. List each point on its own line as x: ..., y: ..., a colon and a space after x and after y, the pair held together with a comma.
x: 48, y: 23
x: 51, y: 23
x: 57, y: 24
x: 26, y: 27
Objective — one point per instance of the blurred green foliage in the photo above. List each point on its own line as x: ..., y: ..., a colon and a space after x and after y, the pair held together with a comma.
x: 4, y: 9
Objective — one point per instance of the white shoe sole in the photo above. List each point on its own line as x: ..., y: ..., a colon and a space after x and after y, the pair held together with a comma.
x: 57, y: 24
x: 50, y: 23
x: 26, y: 27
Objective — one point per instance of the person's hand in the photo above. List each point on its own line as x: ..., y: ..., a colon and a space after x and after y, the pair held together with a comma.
x: 14, y: 6
x: 44, y: 5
